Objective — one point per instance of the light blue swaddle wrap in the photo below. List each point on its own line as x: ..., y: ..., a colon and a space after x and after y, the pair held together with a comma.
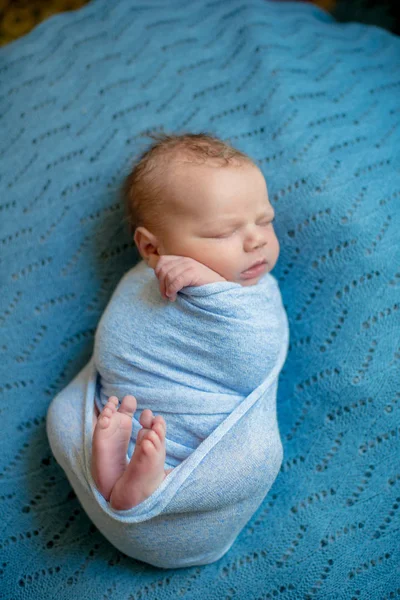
x: 209, y: 364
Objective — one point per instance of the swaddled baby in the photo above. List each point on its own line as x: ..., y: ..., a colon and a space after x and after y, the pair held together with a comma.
x: 200, y: 214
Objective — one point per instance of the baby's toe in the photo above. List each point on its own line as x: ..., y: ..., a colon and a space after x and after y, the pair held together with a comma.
x: 106, y: 414
x: 111, y: 406
x: 146, y: 418
x: 107, y: 411
x: 160, y: 427
x: 161, y: 420
x: 152, y: 437
x: 140, y: 436
x: 103, y: 421
x: 128, y: 405
x: 148, y: 448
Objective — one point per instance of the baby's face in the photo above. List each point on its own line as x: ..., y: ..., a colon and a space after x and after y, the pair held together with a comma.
x: 222, y: 218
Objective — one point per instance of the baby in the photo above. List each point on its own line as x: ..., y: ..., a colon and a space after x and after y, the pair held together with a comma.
x: 200, y: 213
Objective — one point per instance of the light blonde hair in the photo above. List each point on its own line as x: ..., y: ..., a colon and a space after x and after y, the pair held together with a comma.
x: 144, y: 196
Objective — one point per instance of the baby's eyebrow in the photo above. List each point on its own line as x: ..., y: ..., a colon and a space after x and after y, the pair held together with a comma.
x: 233, y: 220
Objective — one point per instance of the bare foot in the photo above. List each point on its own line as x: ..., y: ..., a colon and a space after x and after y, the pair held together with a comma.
x: 110, y: 443
x: 145, y: 471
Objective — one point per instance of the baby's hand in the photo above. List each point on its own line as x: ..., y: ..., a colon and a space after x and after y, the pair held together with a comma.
x: 177, y: 272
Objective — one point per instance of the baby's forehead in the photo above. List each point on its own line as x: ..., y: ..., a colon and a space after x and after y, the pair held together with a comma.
x: 186, y: 183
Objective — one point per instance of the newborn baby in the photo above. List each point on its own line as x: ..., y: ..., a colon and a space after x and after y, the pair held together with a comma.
x: 202, y: 217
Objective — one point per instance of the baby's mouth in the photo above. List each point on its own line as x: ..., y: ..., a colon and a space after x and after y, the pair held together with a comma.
x: 256, y: 264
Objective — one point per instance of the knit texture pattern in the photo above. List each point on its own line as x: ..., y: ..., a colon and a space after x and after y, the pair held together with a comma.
x: 316, y: 105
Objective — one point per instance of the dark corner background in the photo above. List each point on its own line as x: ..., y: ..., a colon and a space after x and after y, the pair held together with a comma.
x: 18, y: 17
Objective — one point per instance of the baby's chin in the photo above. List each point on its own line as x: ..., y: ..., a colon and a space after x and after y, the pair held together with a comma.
x: 249, y: 282
x: 253, y: 281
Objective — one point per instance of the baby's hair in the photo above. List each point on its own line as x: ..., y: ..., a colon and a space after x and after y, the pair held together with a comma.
x: 143, y: 194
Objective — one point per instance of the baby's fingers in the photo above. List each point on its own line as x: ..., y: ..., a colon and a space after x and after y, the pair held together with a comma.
x: 176, y: 282
x: 163, y: 269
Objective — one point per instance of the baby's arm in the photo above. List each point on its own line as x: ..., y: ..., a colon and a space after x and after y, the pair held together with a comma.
x: 177, y: 272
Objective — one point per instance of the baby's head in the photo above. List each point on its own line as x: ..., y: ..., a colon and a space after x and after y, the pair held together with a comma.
x: 194, y: 195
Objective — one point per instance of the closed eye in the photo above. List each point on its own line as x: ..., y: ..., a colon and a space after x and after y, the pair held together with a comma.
x: 225, y: 235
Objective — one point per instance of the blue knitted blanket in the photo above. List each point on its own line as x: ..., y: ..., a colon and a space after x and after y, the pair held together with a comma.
x: 316, y: 105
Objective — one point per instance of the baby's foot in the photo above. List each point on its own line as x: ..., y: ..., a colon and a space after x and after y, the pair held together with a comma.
x: 110, y: 443
x: 145, y: 472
